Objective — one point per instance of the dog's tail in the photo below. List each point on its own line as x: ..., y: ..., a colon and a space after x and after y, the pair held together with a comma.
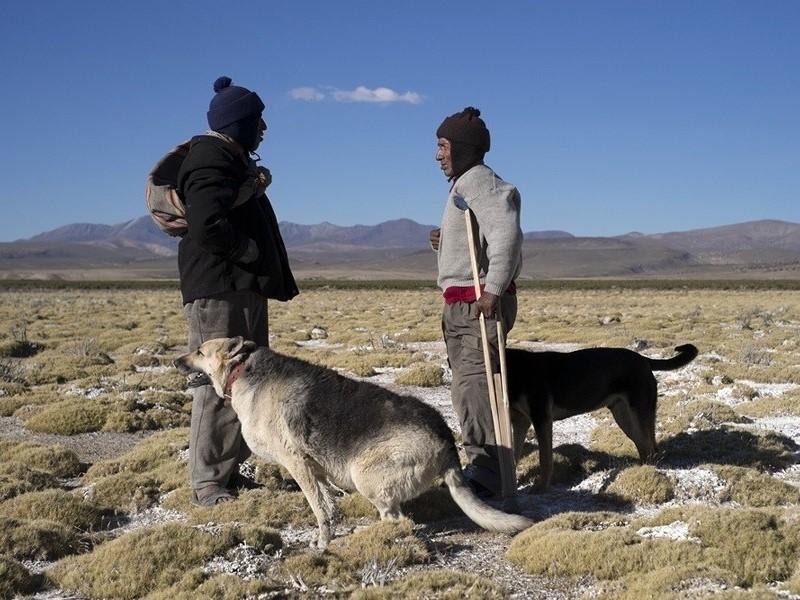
x: 686, y: 354
x: 481, y: 513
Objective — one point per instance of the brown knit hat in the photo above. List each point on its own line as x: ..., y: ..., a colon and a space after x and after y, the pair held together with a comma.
x: 466, y: 127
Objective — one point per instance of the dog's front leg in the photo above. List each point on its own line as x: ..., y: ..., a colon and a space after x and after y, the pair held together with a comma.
x: 520, y: 424
x: 303, y: 472
x: 544, y: 438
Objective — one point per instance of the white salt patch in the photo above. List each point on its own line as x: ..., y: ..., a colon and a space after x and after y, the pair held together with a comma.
x: 548, y: 347
x: 788, y: 426
x: 156, y: 369
x: 714, y: 356
x: 726, y: 396
x: 320, y: 344
x: 770, y: 389
x: 790, y: 475
x: 595, y: 483
x: 677, y: 530
x: 150, y: 517
x: 693, y: 485
x: 242, y: 560
x: 90, y: 393
x: 574, y: 430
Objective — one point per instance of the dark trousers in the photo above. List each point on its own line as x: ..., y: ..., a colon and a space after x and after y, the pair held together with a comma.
x: 216, y: 447
x: 470, y: 390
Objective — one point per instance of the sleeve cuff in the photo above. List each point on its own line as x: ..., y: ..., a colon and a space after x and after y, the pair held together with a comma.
x: 495, y: 289
x: 250, y: 253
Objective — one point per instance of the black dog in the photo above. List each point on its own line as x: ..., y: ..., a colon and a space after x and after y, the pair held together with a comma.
x: 549, y: 386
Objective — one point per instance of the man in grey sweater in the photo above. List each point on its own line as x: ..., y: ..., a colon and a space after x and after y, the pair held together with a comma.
x: 462, y: 141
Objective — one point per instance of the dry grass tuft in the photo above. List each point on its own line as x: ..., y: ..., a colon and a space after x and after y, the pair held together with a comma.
x: 599, y: 544
x: 15, y: 579
x: 58, y: 461
x: 436, y: 585
x: 17, y: 478
x: 749, y: 487
x: 57, y: 506
x: 642, y: 484
x: 354, y: 507
x: 126, y: 567
x: 570, y: 462
x: 382, y: 542
x: 199, y: 584
x: 608, y: 439
x: 78, y: 415
x: 556, y: 547
x: 668, y: 583
x: 266, y: 507
x: 136, y: 479
x: 387, y: 545
x: 422, y: 375
x: 675, y: 418
x: 756, y: 546
x: 38, y: 540
x: 787, y: 404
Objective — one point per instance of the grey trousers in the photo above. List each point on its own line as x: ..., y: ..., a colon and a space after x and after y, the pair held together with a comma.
x: 216, y: 447
x: 469, y: 390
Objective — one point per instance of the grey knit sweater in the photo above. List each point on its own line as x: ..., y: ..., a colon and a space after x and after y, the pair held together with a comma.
x: 496, y: 205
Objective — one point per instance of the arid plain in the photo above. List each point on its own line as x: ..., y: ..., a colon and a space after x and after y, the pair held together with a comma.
x: 93, y: 436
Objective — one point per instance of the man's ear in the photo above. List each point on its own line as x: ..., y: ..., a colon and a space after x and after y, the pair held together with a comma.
x: 239, y: 345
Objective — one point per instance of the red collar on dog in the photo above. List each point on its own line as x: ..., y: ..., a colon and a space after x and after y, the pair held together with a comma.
x: 232, y: 377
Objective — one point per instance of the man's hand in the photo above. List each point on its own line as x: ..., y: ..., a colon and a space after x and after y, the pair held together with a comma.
x: 263, y: 179
x: 486, y: 304
x: 436, y: 234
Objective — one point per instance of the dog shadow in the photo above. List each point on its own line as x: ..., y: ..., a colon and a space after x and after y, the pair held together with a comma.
x: 769, y: 451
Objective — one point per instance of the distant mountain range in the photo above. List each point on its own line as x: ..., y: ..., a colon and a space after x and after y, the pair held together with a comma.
x: 399, y: 249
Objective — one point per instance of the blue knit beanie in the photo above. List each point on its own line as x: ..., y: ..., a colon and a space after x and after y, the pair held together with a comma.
x: 232, y: 103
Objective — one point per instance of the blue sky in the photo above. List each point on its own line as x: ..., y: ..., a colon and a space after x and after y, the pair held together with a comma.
x: 608, y: 116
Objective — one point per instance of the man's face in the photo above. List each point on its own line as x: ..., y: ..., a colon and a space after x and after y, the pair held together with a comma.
x: 444, y: 156
x: 262, y: 128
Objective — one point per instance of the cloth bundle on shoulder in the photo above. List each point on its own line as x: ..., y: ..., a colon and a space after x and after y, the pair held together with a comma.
x: 165, y: 205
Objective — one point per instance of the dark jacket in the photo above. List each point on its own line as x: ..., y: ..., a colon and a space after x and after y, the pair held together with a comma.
x: 227, y: 248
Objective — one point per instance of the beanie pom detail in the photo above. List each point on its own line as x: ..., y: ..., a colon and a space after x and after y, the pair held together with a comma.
x: 221, y: 83
x: 471, y: 112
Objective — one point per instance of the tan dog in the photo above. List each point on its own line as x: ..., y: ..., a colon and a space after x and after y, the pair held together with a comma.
x: 327, y: 429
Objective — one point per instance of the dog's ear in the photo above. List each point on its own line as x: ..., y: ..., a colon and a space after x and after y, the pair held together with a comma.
x: 239, y: 345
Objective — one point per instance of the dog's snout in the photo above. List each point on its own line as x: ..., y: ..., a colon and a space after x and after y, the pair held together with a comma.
x: 180, y: 364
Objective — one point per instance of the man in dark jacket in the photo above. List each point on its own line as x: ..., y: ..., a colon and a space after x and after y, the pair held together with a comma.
x: 230, y: 261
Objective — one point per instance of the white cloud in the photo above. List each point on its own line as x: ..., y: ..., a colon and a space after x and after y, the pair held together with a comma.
x: 379, y: 94
x: 362, y: 93
x: 310, y: 94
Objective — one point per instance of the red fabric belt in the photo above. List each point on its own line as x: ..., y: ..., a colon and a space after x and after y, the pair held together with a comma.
x: 466, y: 294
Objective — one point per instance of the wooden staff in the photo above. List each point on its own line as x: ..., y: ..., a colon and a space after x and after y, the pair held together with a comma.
x: 497, y: 382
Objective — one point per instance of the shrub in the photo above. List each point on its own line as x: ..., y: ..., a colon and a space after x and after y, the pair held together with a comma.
x: 57, y: 506
x: 56, y: 460
x: 37, y: 540
x: 387, y: 543
x: 422, y: 375
x: 16, y: 579
x: 136, y: 479
x: 17, y: 478
x: 197, y: 583
x: 266, y: 507
x: 752, y: 488
x: 642, y: 484
x: 70, y: 417
x: 436, y: 585
x: 143, y: 561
